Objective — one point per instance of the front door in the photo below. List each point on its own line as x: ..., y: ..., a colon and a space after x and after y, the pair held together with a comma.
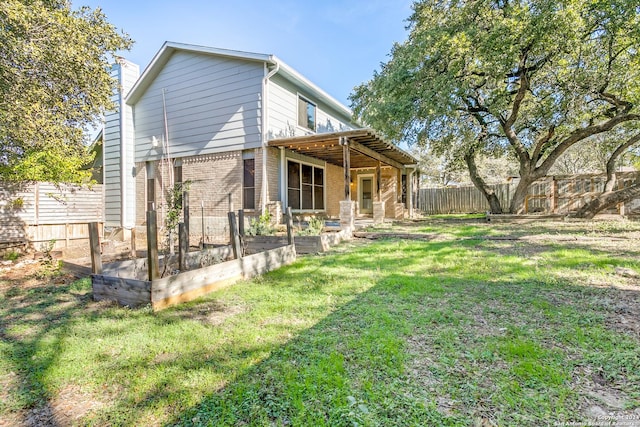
x: 365, y: 194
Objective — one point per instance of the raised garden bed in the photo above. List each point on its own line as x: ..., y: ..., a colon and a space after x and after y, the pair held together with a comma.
x: 303, y: 244
x: 185, y: 286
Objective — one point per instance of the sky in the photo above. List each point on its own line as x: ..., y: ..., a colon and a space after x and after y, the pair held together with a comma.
x: 337, y: 44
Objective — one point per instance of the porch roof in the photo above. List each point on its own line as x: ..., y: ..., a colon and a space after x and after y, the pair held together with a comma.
x: 366, y: 148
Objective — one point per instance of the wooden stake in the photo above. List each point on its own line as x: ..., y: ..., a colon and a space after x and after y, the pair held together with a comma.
x: 133, y: 252
x: 185, y: 215
x: 183, y: 246
x: 94, y: 243
x: 152, y: 245
x: 235, y: 236
x: 241, y: 222
x: 289, y: 226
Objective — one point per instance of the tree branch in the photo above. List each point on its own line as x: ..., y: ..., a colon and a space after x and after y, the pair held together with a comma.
x: 541, y: 145
x: 611, y: 163
x: 580, y: 134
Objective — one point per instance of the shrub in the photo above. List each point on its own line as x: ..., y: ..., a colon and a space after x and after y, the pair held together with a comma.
x: 261, y: 226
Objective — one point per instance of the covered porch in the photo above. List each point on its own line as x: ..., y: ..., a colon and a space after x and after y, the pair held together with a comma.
x: 375, y: 178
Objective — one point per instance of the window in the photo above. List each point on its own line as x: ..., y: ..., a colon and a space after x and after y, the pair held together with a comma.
x: 306, y: 114
x: 305, y: 186
x: 151, y: 186
x: 177, y: 171
x: 249, y: 184
x: 404, y: 189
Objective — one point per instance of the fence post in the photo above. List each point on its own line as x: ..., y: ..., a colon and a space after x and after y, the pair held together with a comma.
x: 183, y: 246
x: 152, y: 245
x: 290, y: 226
x: 235, y: 237
x: 133, y: 251
x: 241, y: 222
x: 185, y: 215
x: 94, y: 244
x: 202, y: 219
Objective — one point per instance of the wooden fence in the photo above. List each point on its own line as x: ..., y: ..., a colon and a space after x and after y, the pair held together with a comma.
x: 459, y: 200
x: 39, y: 213
x: 550, y: 195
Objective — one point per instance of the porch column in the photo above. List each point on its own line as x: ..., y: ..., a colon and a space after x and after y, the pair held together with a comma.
x: 283, y: 179
x: 347, y: 207
x: 410, y: 192
x: 378, y: 205
x: 346, y: 163
x: 378, y: 182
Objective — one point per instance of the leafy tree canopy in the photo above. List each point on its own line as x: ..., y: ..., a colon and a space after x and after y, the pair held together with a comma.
x: 531, y: 78
x: 54, y: 83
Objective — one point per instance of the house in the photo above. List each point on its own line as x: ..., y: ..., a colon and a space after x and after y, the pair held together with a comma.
x: 247, y: 131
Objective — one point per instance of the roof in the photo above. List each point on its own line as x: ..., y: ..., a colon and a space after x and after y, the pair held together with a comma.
x: 366, y: 148
x: 169, y: 48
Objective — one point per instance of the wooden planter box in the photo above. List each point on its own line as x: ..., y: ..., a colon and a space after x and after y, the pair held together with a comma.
x: 303, y: 244
x: 188, y: 285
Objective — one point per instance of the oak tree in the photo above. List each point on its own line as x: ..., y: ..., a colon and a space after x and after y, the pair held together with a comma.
x: 532, y: 77
x: 54, y: 84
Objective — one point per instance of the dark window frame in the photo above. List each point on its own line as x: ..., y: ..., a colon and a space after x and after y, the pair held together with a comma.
x: 307, y: 188
x: 249, y: 184
x: 307, y: 113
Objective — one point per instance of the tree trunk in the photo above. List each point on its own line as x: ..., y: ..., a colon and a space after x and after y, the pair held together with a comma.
x: 519, y: 197
x: 488, y: 192
x: 607, y: 200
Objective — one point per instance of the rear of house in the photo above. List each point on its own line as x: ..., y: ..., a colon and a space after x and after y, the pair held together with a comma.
x: 247, y: 132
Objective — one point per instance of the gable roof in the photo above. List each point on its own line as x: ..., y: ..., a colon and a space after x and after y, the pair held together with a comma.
x: 169, y: 48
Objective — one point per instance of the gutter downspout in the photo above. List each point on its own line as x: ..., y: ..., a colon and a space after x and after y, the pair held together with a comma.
x: 123, y: 152
x: 265, y: 91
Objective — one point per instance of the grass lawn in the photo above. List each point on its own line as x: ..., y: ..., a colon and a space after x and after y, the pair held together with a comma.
x: 472, y: 324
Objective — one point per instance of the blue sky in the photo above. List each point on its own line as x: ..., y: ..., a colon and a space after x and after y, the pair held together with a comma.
x: 337, y: 44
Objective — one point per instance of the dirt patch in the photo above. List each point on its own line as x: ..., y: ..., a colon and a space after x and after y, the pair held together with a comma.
x: 212, y: 313
x: 66, y: 408
x: 602, y: 400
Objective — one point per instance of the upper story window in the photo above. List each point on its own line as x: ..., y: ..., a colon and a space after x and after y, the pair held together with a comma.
x: 306, y: 114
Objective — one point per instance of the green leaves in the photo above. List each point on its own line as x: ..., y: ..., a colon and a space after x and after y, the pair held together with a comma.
x: 54, y: 82
x: 534, y: 77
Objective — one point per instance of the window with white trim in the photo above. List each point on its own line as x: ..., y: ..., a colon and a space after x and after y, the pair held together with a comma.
x: 305, y: 186
x: 306, y: 114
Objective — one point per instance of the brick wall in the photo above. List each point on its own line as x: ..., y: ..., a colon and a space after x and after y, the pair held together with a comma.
x: 216, y: 184
x: 334, y: 186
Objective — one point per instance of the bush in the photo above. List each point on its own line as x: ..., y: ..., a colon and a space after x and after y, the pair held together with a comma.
x: 261, y: 226
x: 314, y: 228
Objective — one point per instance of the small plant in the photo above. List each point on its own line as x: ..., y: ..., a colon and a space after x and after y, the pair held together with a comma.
x: 314, y: 228
x: 11, y: 255
x: 51, y: 266
x: 261, y: 226
x: 17, y: 203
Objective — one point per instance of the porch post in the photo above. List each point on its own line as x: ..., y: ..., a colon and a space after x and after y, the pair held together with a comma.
x: 346, y: 162
x: 378, y: 182
x: 347, y: 207
x: 410, y: 192
x: 378, y: 205
x: 283, y: 179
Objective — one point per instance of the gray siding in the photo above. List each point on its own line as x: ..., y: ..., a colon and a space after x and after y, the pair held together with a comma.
x: 283, y: 112
x: 212, y: 106
x: 119, y: 207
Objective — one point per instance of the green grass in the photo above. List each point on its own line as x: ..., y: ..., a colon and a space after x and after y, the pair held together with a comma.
x: 450, y: 331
